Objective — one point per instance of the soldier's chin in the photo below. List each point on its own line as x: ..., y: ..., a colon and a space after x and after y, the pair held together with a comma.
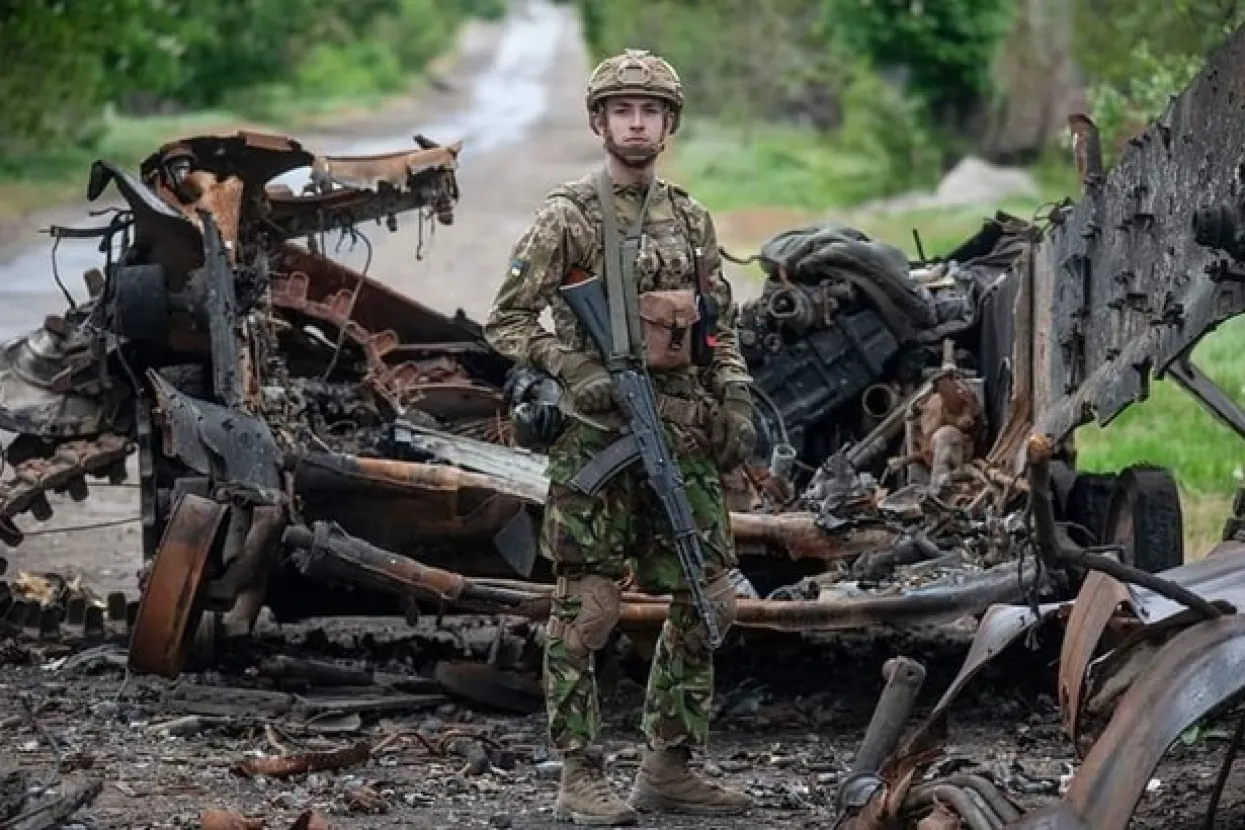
x: 633, y: 156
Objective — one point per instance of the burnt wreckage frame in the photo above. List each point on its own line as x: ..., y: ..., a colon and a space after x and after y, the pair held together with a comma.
x: 311, y: 441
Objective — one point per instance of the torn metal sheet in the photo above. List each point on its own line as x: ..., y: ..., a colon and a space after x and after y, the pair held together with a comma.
x: 1199, y: 670
x: 1219, y: 578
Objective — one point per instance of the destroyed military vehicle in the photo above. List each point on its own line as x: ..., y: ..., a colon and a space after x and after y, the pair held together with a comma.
x: 311, y: 441
x: 1126, y: 283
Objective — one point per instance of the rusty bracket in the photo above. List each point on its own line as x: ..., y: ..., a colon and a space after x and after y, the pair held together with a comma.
x: 171, y: 603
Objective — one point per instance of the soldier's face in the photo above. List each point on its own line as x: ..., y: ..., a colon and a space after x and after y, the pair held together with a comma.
x: 635, y: 122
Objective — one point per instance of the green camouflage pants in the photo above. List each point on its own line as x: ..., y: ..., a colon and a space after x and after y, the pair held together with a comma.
x: 603, y: 538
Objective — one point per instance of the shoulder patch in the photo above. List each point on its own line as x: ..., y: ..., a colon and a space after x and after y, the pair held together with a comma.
x: 519, y: 268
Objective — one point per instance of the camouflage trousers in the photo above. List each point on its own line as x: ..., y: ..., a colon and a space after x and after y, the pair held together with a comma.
x: 620, y: 533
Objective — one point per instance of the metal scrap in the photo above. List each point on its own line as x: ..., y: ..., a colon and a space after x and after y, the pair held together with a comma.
x: 286, y: 766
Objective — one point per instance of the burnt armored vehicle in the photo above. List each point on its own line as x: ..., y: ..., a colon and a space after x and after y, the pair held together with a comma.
x: 311, y: 441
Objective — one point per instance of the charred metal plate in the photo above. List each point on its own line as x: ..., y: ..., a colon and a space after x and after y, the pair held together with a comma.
x: 169, y: 609
x: 496, y: 688
x: 227, y: 444
x: 1129, y: 287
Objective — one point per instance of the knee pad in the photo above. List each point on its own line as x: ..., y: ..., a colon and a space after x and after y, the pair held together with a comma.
x: 588, y: 629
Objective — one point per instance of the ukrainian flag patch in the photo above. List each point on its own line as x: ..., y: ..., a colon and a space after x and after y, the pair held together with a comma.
x: 518, y: 268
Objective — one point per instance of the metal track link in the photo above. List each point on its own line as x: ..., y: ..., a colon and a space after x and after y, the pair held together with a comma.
x: 66, y: 616
x: 65, y: 470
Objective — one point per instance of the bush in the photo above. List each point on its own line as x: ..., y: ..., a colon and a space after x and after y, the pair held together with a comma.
x: 1123, y: 110
x: 881, y: 122
x: 946, y: 48
x: 66, y: 60
x: 340, y: 71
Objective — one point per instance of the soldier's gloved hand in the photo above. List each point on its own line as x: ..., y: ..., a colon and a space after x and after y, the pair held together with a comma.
x: 733, y: 434
x: 587, y: 382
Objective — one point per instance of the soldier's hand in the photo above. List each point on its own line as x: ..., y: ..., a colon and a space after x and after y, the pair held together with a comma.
x: 733, y: 433
x: 588, y: 384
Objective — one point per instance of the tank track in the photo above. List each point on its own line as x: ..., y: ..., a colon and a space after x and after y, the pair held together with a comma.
x: 69, y: 613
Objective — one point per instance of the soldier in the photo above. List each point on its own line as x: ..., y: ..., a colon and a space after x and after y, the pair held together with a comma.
x: 634, y: 102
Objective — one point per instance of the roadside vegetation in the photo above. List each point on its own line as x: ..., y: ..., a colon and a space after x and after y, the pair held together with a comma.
x: 867, y: 101
x: 114, y: 78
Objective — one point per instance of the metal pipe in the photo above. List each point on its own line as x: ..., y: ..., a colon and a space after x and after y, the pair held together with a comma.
x: 799, y: 536
x: 960, y: 801
x: 984, y: 787
x: 904, y: 677
x: 879, y: 400
x: 924, y: 607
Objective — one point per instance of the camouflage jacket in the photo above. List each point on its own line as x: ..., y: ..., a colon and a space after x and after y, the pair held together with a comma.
x: 566, y: 234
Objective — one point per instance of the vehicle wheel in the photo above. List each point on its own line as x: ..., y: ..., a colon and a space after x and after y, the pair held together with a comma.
x: 1089, y: 500
x: 1145, y: 518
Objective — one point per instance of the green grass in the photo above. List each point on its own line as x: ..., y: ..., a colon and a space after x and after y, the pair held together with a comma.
x: 734, y: 167
x: 1172, y: 430
x: 1169, y: 429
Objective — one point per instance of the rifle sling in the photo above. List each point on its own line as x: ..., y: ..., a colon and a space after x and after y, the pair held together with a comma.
x: 619, y: 263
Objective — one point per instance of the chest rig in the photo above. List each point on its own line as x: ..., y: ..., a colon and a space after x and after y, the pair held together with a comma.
x: 657, y: 284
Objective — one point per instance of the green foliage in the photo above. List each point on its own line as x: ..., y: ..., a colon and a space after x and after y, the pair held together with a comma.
x: 1115, y: 39
x: 1139, y: 53
x: 946, y: 46
x: 884, y: 124
x: 53, y: 53
x: 1120, y: 111
x: 729, y: 166
x: 418, y: 32
x: 67, y: 61
x: 738, y: 59
x: 339, y: 71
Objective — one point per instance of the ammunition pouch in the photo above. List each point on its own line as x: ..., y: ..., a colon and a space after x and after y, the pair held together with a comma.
x: 668, y: 322
x: 685, y: 412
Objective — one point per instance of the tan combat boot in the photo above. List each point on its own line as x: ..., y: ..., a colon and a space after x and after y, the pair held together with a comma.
x: 585, y: 796
x: 665, y: 784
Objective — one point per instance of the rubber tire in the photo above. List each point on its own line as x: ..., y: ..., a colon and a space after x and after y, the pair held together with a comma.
x: 1145, y: 517
x: 490, y: 687
x: 1089, y: 500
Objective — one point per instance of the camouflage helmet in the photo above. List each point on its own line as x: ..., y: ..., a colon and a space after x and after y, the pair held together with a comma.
x: 636, y: 72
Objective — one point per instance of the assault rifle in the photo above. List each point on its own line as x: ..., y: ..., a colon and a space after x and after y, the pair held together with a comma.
x: 644, y: 440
